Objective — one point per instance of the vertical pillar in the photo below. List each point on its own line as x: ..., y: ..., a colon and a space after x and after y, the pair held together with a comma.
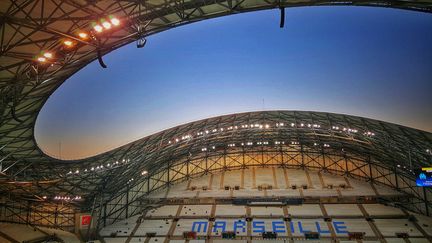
x: 321, y: 179
x: 275, y: 183
x: 302, y: 155
x: 309, y: 180
x: 222, y: 179
x: 224, y: 159
x: 210, y: 183
x: 324, y: 161
x: 346, y: 164
x: 282, y: 157
x: 127, y: 200
x: 286, y: 178
x: 104, y: 214
x: 254, y: 186
x: 242, y: 179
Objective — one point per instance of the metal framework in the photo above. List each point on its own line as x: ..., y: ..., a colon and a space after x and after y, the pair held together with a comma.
x: 113, y: 183
x: 28, y: 175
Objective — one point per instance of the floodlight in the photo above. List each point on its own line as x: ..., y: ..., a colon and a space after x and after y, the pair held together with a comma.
x: 106, y: 25
x: 141, y: 42
x: 41, y: 59
x: 68, y: 43
x: 98, y: 28
x: 83, y: 35
x: 115, y: 21
x: 48, y: 55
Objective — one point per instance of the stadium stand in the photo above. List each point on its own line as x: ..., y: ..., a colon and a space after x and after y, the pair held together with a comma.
x: 195, y: 184
x: 214, y: 216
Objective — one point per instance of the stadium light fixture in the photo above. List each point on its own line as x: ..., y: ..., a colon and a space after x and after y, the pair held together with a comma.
x: 48, y: 55
x: 103, y: 24
x: 141, y: 42
x: 68, y: 43
x: 114, y: 21
x: 106, y: 24
x: 83, y: 35
x: 41, y: 59
x: 98, y: 28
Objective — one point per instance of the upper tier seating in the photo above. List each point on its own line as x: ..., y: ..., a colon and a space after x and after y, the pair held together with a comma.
x: 271, y: 182
x: 121, y: 228
x: 164, y: 211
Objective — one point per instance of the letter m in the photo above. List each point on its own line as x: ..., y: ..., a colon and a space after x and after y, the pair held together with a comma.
x: 196, y: 226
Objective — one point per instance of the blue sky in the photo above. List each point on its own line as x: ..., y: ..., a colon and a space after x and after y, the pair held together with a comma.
x: 371, y: 62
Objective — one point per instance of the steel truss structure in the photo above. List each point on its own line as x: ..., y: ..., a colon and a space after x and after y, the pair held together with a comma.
x: 28, y: 176
x: 361, y: 167
x: 114, y: 183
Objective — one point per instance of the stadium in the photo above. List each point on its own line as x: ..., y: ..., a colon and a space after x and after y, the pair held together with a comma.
x: 278, y: 176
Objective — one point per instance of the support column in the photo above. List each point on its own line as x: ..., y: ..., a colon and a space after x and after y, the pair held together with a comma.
x: 426, y: 201
x: 374, y: 189
x: 286, y: 178
x: 309, y: 180
x: 167, y: 191
x: 254, y: 186
x: 221, y: 183
x: 210, y: 184
x: 242, y: 179
x: 275, y: 183
x: 321, y: 179
x: 188, y: 184
x: 347, y: 182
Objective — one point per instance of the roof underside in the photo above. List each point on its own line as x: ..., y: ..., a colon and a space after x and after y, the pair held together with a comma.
x: 29, y: 27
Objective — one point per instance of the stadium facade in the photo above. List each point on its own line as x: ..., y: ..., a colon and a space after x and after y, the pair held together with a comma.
x: 45, y: 42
